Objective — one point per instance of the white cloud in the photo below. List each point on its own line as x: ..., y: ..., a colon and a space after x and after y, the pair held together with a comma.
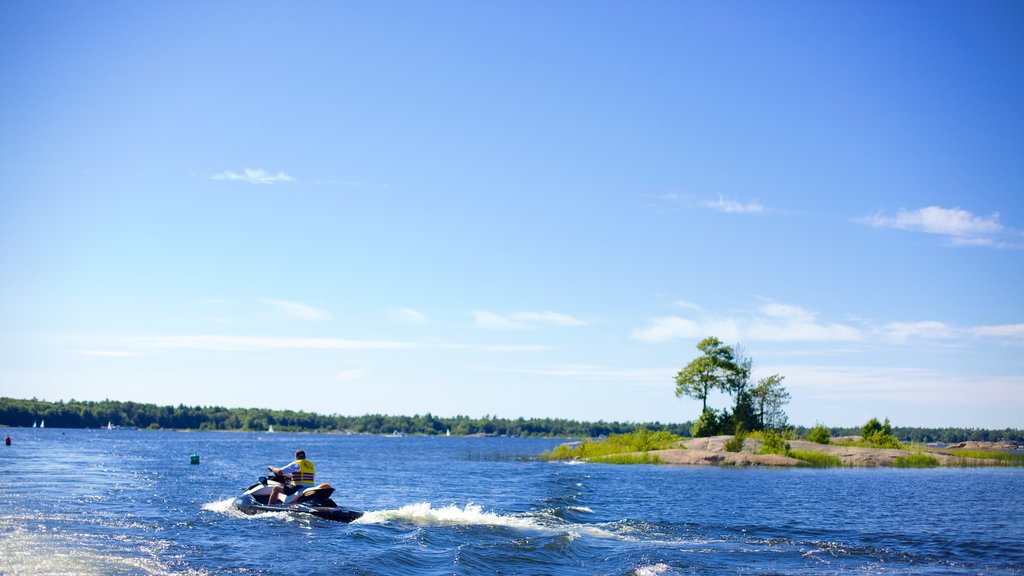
x: 523, y: 320
x: 407, y: 316
x: 253, y: 176
x: 350, y: 375
x: 298, y: 311
x: 250, y: 343
x: 593, y: 372
x: 900, y: 332
x: 1012, y: 332
x: 773, y: 322
x: 733, y: 207
x: 960, y: 227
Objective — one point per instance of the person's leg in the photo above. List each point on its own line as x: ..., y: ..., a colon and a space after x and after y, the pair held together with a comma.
x: 272, y: 501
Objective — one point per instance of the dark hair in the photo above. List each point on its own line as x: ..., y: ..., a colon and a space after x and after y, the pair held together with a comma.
x: 300, y: 454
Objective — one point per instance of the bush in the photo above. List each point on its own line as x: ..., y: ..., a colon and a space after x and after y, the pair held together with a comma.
x: 735, y: 444
x: 879, y: 435
x: 773, y: 444
x: 710, y: 423
x: 819, y: 434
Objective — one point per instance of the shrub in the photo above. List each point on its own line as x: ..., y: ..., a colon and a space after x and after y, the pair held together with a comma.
x: 735, y: 444
x: 816, y: 459
x: 773, y: 444
x: 710, y: 423
x: 879, y: 435
x: 819, y: 434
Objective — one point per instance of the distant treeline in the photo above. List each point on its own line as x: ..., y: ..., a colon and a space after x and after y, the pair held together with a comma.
x: 943, y: 435
x: 83, y: 414
x: 87, y: 414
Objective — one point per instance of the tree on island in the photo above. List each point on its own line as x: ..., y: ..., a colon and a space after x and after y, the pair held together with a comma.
x: 768, y: 398
x: 712, y: 371
x: 728, y: 369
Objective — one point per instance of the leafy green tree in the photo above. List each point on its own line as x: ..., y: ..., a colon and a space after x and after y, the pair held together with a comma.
x: 768, y: 397
x: 716, y: 369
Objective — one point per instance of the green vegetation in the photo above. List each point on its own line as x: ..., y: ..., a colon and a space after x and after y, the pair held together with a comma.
x: 76, y: 414
x: 642, y: 440
x: 819, y: 434
x: 773, y: 444
x: 916, y: 461
x: 728, y: 370
x: 735, y: 444
x: 643, y: 458
x: 1006, y: 458
x: 816, y: 459
x: 877, y: 435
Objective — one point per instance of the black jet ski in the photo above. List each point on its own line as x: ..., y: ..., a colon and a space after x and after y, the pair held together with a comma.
x: 313, y: 500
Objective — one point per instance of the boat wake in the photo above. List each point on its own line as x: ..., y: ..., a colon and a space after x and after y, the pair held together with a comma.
x: 425, y: 514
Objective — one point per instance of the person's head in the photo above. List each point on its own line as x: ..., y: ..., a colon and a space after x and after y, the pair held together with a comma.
x: 300, y: 454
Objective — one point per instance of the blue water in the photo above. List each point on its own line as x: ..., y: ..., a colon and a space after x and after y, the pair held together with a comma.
x: 129, y: 502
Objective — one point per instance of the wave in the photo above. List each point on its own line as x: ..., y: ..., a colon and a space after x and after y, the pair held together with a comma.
x: 424, y: 513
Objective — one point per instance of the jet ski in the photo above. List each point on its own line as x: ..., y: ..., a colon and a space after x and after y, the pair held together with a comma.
x: 312, y: 500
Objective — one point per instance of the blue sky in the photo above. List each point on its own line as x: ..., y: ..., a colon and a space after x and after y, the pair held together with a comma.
x: 517, y: 209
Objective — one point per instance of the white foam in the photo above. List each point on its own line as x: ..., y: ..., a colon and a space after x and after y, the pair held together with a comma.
x: 222, y: 506
x: 31, y: 553
x: 451, y: 515
x: 650, y: 570
x: 473, y: 515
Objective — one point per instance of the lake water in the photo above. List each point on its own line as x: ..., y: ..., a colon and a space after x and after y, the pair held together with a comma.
x: 128, y: 502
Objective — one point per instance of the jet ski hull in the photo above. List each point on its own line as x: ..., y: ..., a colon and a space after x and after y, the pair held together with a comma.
x: 249, y: 505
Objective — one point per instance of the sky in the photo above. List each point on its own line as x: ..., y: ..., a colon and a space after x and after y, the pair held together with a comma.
x: 517, y: 209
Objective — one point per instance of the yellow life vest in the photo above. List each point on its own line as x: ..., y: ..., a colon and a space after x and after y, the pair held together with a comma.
x: 305, y: 474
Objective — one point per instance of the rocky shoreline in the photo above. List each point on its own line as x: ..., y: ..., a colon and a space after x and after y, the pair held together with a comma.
x: 711, y: 452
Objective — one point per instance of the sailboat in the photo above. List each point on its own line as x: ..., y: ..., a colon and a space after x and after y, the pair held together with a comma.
x: 110, y: 425
x: 270, y: 430
x: 34, y: 424
x: 42, y: 424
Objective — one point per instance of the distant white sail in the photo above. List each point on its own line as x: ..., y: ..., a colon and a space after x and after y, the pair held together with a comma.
x: 271, y: 429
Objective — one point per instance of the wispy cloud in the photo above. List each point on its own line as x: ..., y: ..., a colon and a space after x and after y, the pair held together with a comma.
x: 771, y: 322
x: 523, y: 320
x: 1012, y: 334
x: 596, y: 373
x: 720, y: 204
x: 407, y: 316
x: 777, y: 322
x: 733, y: 207
x: 108, y: 353
x: 960, y: 227
x: 253, y: 176
x: 350, y: 375
x: 900, y: 332
x: 251, y: 343
x: 298, y: 310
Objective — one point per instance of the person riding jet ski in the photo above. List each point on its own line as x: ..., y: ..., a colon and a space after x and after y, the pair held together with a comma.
x: 300, y: 473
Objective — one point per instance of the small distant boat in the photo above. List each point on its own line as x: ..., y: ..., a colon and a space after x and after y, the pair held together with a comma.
x: 397, y: 434
x: 448, y: 432
x: 34, y: 425
x: 42, y: 424
x: 110, y: 425
x: 270, y: 430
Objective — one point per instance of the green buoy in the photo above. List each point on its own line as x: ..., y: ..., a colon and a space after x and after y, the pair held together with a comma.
x: 194, y: 458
